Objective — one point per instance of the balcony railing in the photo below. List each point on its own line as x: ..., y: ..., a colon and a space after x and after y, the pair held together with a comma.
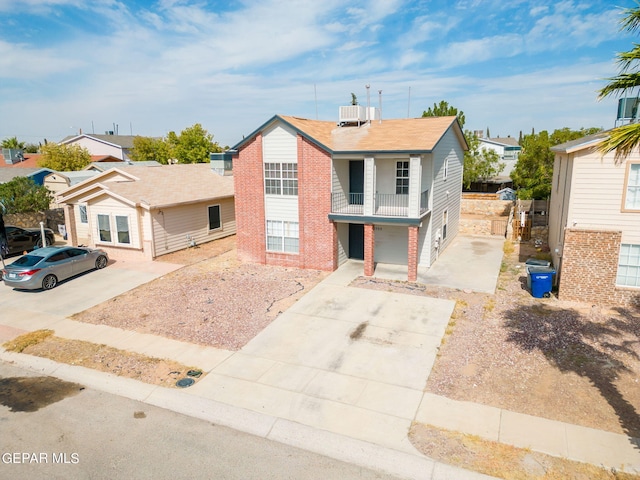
x: 351, y: 204
x: 386, y: 204
x: 391, y: 205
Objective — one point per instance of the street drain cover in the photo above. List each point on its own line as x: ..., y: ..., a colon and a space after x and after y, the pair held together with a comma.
x: 185, y: 382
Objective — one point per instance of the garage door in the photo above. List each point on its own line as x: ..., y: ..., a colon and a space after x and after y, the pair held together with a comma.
x: 391, y: 244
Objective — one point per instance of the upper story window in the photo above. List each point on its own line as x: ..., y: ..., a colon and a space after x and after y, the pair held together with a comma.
x: 632, y: 191
x: 281, y: 178
x: 402, y: 178
x: 445, y: 172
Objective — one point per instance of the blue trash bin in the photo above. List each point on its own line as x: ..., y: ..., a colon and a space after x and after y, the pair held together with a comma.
x: 541, y: 281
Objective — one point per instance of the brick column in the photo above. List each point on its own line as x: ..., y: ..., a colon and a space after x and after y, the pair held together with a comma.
x: 369, y: 254
x: 412, y: 260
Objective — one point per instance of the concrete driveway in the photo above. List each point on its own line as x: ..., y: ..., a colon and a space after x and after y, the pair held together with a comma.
x: 470, y: 262
x: 82, y: 292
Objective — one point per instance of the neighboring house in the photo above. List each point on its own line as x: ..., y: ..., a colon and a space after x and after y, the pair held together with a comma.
x: 56, y: 182
x: 311, y: 194
x: 594, y: 223
x: 145, y: 212
x: 36, y: 174
x: 117, y: 146
x: 102, y: 166
x: 508, y: 151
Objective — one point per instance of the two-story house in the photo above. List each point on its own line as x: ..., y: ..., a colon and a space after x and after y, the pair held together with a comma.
x: 117, y: 146
x: 594, y: 223
x: 312, y: 194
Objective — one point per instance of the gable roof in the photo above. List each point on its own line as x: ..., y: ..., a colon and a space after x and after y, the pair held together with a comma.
x: 503, y: 141
x: 122, y: 141
x: 155, y: 187
x: 581, y: 143
x: 410, y: 135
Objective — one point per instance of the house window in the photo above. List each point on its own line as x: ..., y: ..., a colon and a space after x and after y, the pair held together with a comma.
x: 629, y: 266
x: 104, y: 228
x: 445, y: 172
x: 83, y: 214
x: 214, y: 217
x: 281, y: 178
x: 445, y: 220
x: 282, y: 236
x: 632, y: 192
x: 402, y: 178
x: 122, y: 231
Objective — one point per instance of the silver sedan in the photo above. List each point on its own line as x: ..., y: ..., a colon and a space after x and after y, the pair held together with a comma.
x: 45, y: 267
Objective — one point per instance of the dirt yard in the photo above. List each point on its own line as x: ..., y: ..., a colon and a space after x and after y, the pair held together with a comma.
x: 215, y: 300
x: 564, y: 361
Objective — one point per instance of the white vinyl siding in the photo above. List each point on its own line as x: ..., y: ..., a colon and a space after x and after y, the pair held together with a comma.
x: 597, y: 195
x: 280, y: 148
x: 629, y: 266
x: 446, y: 193
x: 392, y: 244
x: 172, y: 225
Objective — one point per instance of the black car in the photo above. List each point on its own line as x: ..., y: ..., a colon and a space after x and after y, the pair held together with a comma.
x: 21, y: 239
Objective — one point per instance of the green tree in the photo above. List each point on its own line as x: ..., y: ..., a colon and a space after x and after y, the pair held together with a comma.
x: 64, y: 158
x: 533, y: 173
x: 148, y: 148
x: 22, y: 195
x: 354, y: 99
x: 193, y: 145
x: 480, y: 164
x: 626, y: 138
x: 443, y: 109
x: 31, y: 148
x: 12, y: 143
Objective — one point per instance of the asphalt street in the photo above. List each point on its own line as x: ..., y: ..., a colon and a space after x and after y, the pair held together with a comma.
x: 54, y: 429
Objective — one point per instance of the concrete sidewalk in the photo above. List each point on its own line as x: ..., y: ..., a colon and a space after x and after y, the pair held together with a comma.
x: 340, y: 373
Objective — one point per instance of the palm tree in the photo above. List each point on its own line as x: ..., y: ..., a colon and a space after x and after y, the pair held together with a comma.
x: 12, y: 143
x: 626, y: 138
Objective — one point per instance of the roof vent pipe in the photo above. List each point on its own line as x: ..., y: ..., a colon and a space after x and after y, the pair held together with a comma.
x: 367, y: 86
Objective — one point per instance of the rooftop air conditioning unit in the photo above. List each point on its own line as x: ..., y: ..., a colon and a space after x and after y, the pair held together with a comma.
x: 357, y: 114
x: 12, y: 155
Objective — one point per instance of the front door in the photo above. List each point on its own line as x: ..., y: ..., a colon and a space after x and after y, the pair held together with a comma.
x: 356, y: 182
x: 356, y: 241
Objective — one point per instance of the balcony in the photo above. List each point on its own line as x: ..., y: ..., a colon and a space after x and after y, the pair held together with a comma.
x: 385, y: 204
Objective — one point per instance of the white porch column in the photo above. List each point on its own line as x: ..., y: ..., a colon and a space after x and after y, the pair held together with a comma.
x: 369, y: 185
x: 415, y: 180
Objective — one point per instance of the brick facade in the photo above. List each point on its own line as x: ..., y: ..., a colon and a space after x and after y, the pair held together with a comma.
x: 589, y: 269
x: 318, y: 235
x: 249, y: 202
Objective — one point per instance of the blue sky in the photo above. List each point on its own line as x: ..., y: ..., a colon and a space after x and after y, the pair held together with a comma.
x: 150, y: 67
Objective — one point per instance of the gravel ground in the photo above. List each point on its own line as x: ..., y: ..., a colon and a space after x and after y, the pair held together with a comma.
x: 564, y: 361
x: 217, y: 301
